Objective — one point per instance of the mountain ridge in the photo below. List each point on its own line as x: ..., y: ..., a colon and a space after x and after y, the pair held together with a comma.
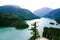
x: 54, y: 14
x: 20, y: 12
x: 42, y: 12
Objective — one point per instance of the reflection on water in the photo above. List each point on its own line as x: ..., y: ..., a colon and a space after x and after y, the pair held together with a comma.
x: 13, y: 34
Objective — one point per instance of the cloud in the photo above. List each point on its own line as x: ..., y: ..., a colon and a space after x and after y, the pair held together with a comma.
x: 32, y: 4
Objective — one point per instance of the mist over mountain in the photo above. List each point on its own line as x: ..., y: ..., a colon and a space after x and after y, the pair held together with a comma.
x: 24, y: 14
x: 42, y: 12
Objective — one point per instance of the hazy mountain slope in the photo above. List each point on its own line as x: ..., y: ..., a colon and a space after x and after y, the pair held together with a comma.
x: 54, y: 14
x: 42, y: 12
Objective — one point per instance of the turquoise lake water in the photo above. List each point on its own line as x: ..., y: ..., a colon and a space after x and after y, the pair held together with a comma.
x: 24, y: 34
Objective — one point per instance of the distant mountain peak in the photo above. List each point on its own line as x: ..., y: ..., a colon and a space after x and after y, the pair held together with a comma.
x: 42, y: 12
x: 45, y: 8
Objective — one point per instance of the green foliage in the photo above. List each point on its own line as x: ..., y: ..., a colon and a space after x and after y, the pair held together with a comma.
x: 9, y: 20
x: 51, y: 33
x: 58, y: 20
x: 35, y: 33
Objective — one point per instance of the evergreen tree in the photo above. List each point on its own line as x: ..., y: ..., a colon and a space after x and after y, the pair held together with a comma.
x: 35, y: 33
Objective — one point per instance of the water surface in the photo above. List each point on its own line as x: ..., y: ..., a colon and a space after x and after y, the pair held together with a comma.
x: 13, y: 34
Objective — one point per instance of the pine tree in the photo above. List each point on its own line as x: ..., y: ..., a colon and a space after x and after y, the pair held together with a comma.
x: 35, y: 33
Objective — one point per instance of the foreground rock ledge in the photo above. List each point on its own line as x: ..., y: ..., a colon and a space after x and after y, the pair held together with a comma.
x: 41, y: 39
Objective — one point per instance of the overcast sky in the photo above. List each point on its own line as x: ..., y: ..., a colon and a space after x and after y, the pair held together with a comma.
x: 32, y: 4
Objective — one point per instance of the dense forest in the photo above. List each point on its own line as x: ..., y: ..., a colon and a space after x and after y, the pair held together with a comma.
x: 51, y: 33
x: 9, y: 20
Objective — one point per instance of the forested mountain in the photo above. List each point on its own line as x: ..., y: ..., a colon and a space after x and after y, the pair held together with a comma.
x: 24, y: 14
x: 54, y: 14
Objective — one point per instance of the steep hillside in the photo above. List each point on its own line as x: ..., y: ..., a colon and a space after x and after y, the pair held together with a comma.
x: 24, y: 14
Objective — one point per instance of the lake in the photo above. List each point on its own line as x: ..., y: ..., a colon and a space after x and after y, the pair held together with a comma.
x: 24, y: 34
